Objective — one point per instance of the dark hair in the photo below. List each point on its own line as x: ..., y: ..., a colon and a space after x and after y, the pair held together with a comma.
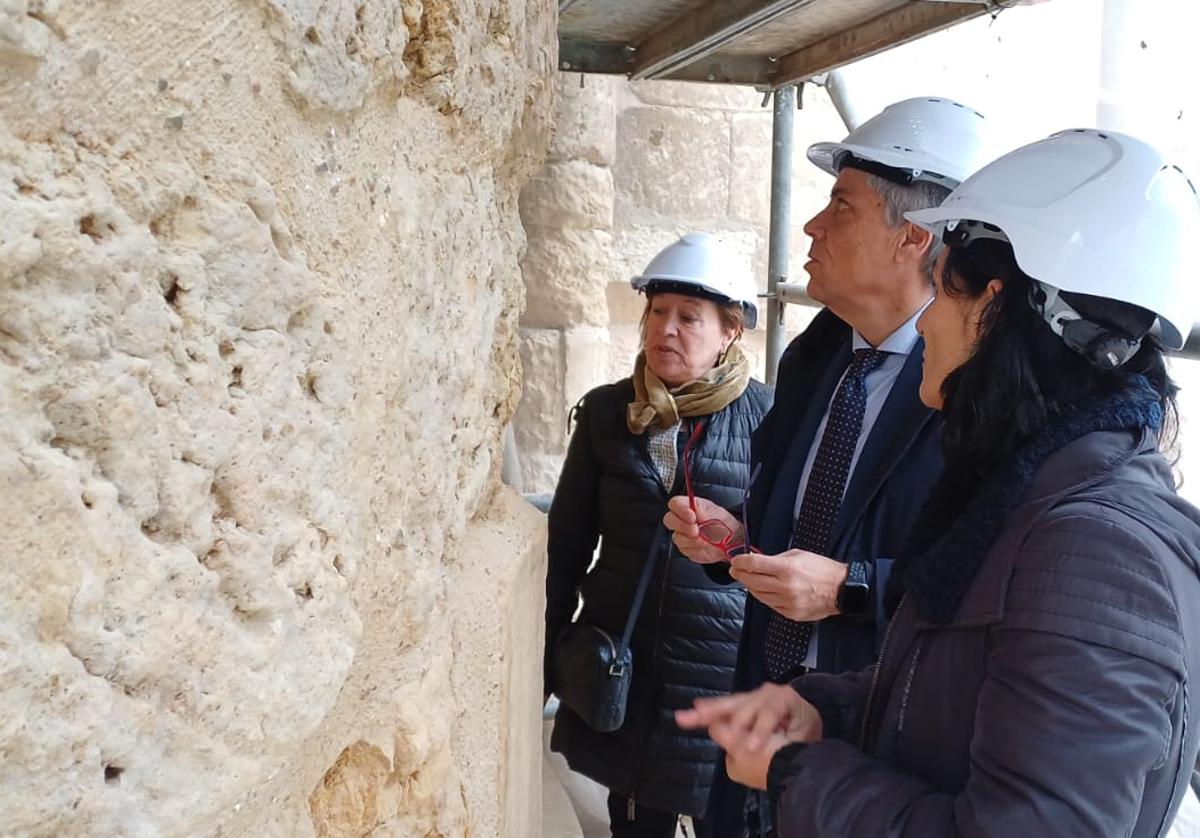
x: 1021, y: 377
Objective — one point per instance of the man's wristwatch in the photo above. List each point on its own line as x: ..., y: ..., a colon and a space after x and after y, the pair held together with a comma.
x: 854, y: 597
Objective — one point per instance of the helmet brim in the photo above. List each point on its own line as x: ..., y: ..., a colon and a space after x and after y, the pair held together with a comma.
x: 687, y: 286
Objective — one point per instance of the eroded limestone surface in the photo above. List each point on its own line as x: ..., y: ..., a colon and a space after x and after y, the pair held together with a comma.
x: 258, y: 295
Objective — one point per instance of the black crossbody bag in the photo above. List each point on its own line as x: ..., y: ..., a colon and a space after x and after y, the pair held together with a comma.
x: 591, y: 671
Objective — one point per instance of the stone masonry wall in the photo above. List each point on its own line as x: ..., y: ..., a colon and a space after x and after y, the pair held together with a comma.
x: 633, y: 167
x: 259, y: 291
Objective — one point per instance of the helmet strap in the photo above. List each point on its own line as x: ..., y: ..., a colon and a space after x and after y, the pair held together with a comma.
x: 963, y: 231
x: 1103, y: 348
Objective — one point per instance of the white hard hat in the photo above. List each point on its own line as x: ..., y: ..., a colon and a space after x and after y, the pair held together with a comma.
x: 1091, y: 212
x: 928, y: 138
x: 700, y: 264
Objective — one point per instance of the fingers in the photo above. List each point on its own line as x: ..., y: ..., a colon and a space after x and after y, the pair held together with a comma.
x: 706, y: 711
x: 679, y: 511
x: 727, y: 736
x: 753, y: 717
x: 700, y: 552
x: 768, y: 714
x: 771, y: 721
x: 766, y: 564
x: 749, y: 768
x: 758, y: 583
x: 680, y: 527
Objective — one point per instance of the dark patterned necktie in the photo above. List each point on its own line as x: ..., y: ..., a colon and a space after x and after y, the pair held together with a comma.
x: 787, y: 640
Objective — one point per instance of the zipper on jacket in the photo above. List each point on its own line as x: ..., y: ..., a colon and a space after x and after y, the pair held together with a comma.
x: 908, y: 682
x: 887, y: 636
x: 631, y: 804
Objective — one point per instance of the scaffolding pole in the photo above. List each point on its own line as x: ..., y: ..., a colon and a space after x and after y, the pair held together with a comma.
x: 781, y: 221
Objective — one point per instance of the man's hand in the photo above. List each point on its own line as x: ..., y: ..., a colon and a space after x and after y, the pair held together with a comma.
x: 798, y: 584
x: 752, y: 726
x: 684, y: 525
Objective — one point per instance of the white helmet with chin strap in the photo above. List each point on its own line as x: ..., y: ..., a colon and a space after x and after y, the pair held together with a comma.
x: 701, y: 265
x: 923, y: 139
x: 1088, y: 212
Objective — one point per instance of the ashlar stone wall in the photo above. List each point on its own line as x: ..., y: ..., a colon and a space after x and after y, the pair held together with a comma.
x: 633, y: 167
x: 259, y: 289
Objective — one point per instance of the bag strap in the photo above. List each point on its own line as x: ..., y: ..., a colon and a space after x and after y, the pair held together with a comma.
x: 643, y: 584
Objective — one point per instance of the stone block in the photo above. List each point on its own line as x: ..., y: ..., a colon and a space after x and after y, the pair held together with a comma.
x: 750, y: 195
x: 540, y: 421
x: 254, y: 370
x: 686, y: 94
x: 585, y: 349
x: 539, y: 472
x: 624, y: 343
x: 674, y: 162
x: 625, y: 306
x: 569, y: 194
x: 585, y: 119
x: 566, y: 273
x: 501, y: 604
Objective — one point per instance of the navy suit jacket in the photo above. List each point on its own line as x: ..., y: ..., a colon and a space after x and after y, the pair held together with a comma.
x: 899, y: 464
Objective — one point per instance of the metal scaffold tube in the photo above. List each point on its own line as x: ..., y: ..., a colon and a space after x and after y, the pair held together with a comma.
x: 781, y: 221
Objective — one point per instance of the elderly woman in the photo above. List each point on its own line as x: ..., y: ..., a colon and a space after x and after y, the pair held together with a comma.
x: 1036, y: 675
x: 682, y: 422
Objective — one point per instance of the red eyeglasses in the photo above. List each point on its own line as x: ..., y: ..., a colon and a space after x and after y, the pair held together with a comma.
x: 713, y: 532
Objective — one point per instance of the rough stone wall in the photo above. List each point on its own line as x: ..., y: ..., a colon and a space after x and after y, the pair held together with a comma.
x: 259, y: 290
x: 633, y: 167
x: 567, y: 210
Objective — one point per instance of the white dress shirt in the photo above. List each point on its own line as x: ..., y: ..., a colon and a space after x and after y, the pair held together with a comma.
x: 878, y: 385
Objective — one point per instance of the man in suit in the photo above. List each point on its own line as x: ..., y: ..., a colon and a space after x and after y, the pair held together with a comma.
x: 843, y: 461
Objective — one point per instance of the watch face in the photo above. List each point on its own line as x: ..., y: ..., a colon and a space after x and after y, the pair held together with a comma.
x: 856, y: 593
x: 854, y: 597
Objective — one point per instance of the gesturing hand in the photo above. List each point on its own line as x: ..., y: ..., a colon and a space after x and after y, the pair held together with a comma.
x: 752, y: 726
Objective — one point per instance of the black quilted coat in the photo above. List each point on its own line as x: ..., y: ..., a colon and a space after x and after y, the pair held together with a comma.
x: 685, y: 642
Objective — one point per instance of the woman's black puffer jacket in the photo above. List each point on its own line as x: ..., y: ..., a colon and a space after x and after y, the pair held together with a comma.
x: 686, y: 638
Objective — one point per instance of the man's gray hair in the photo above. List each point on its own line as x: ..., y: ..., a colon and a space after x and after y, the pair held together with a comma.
x: 899, y: 199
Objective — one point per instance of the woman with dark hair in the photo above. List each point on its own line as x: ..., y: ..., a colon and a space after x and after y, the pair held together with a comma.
x: 681, y: 422
x: 1036, y: 675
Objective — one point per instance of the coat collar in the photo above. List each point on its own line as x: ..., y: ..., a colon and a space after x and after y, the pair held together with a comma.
x: 1068, y: 457
x: 899, y: 424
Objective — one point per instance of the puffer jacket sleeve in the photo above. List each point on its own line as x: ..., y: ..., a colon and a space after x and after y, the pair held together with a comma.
x: 573, y: 533
x: 1072, y: 716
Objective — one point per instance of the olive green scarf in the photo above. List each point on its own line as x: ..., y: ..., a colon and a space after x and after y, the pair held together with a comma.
x: 656, y: 405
